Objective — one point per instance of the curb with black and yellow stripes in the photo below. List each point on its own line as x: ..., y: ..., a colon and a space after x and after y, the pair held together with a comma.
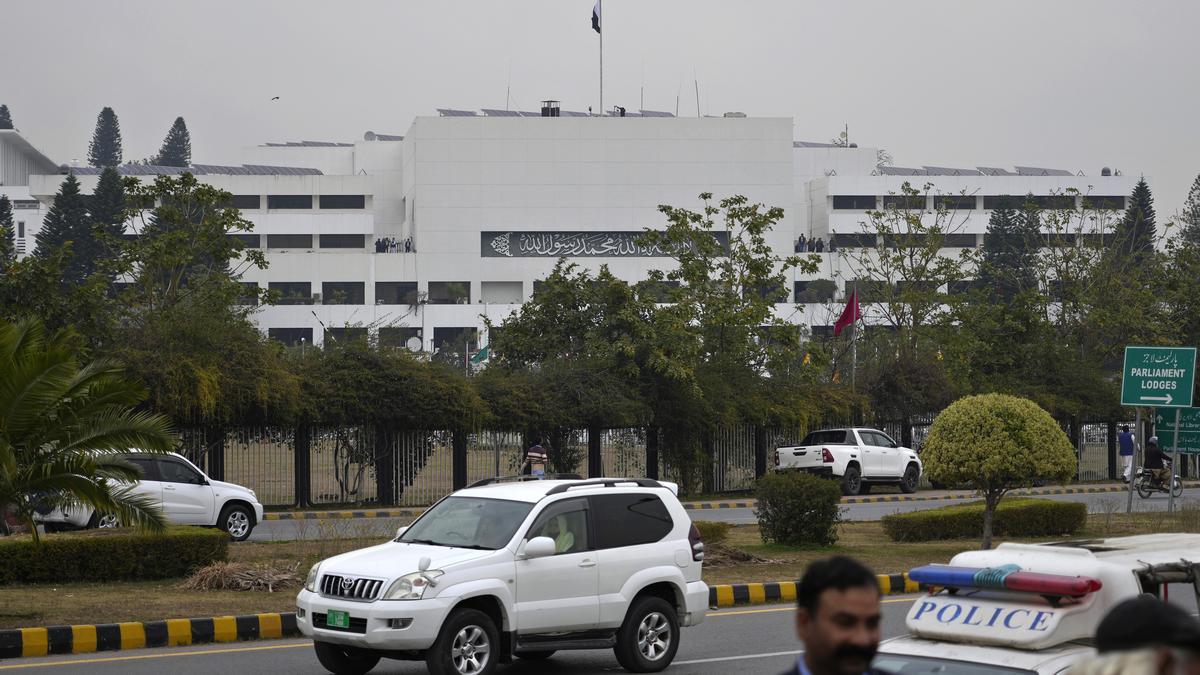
x: 82, y: 639
x: 732, y: 595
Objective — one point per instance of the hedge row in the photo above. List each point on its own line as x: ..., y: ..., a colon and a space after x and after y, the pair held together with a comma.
x: 1014, y: 518
x: 111, y: 555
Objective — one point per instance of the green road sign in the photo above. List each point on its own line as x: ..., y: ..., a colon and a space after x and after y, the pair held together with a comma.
x: 1158, y: 376
x: 1189, y: 430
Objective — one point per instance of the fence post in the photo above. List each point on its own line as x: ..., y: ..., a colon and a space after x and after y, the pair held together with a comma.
x: 760, y: 452
x: 385, y: 466
x: 1112, y: 450
x: 595, y: 462
x: 652, y: 452
x: 709, y: 448
x: 214, y: 448
x: 458, y: 458
x: 302, y: 465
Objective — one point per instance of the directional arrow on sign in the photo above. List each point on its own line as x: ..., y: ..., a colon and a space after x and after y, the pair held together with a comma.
x: 1165, y: 400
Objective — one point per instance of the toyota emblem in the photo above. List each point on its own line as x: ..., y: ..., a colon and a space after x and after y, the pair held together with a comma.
x: 347, y: 583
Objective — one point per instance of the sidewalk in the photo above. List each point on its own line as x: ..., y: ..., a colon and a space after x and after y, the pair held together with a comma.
x: 922, y: 496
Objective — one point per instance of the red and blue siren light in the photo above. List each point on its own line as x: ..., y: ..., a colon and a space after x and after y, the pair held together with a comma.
x: 1005, y: 578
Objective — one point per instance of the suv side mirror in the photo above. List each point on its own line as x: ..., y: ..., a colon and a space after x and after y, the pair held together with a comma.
x: 401, y: 530
x: 539, y: 547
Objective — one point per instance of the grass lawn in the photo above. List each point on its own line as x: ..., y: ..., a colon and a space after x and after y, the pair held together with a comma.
x: 58, y: 604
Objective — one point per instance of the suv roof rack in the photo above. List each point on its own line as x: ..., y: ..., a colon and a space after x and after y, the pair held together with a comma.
x: 522, y: 478
x: 606, y: 482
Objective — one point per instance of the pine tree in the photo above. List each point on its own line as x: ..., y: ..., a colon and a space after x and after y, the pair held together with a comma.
x: 67, y: 222
x: 1008, y: 247
x: 107, y: 213
x: 8, y: 243
x: 1190, y: 218
x: 1136, y: 232
x: 5, y: 118
x: 106, y: 140
x: 177, y: 148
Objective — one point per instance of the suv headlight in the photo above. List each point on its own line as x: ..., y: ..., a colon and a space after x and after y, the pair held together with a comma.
x: 310, y: 584
x: 412, y: 586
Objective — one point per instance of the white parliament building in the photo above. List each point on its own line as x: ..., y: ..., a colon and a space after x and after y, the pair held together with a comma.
x: 425, y: 234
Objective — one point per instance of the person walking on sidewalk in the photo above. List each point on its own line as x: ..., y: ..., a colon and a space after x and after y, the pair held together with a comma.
x: 535, y: 459
x: 1126, y: 442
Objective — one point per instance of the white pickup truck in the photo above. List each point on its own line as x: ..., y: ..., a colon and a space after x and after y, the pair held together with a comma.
x: 859, y: 458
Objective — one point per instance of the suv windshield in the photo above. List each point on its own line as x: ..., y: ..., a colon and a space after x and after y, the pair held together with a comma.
x: 468, y: 522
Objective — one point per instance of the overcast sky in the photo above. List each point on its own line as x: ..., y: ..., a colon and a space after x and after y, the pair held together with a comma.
x: 1074, y: 84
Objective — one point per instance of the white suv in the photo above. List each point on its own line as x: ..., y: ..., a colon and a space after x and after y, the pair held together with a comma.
x: 515, y: 567
x: 187, y: 497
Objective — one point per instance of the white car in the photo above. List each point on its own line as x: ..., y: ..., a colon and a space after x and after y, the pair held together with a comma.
x: 1031, y: 608
x: 187, y: 497
x: 515, y: 567
x: 857, y: 457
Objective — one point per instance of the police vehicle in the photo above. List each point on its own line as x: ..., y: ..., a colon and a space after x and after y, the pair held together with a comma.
x: 1032, y: 608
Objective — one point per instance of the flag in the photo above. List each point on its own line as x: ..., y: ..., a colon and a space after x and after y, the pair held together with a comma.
x: 596, y: 17
x: 481, y: 355
x: 849, y: 315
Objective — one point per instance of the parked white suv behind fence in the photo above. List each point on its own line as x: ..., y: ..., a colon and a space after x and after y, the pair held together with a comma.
x: 515, y: 567
x: 187, y: 497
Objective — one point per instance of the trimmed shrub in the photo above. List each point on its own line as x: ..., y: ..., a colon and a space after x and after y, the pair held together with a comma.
x: 1014, y: 518
x: 713, y: 532
x: 111, y: 555
x: 797, y: 509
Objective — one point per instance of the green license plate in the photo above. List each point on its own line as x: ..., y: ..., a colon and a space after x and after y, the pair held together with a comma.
x: 336, y: 619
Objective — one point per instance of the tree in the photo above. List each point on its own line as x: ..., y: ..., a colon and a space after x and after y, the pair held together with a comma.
x: 997, y: 443
x: 62, y: 425
x: 1007, y: 263
x: 105, y: 149
x: 8, y: 244
x: 176, y: 149
x: 1136, y: 233
x: 67, y: 229
x: 1190, y: 218
x: 5, y: 118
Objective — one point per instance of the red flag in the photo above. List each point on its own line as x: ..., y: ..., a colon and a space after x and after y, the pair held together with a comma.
x: 849, y: 315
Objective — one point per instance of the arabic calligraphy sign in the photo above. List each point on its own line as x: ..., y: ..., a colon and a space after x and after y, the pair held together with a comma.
x: 572, y: 245
x: 1158, y: 376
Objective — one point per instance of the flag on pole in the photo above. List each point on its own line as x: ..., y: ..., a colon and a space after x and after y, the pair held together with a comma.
x: 851, y: 314
x: 596, y: 17
x: 481, y: 356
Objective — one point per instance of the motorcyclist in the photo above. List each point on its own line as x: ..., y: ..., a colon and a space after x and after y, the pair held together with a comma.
x: 1154, y: 461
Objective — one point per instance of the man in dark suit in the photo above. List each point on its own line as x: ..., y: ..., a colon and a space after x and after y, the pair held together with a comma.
x: 837, y: 619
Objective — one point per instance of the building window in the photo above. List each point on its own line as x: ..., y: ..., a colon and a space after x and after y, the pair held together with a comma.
x: 397, y: 336
x: 660, y: 292
x: 291, y: 292
x: 21, y: 229
x: 904, y: 202
x: 291, y: 336
x: 815, y: 290
x: 343, y: 201
x: 916, y: 286
x: 954, y: 202
x: 502, y: 292
x: 822, y: 332
x: 343, y: 241
x: 854, y: 240
x: 289, y: 201
x: 1052, y: 202
x: 959, y: 241
x: 395, y: 292
x: 289, y: 241
x: 455, y: 340
x: 1104, y: 203
x: 346, y: 334
x: 853, y: 202
x: 868, y: 290
x: 769, y: 292
x: 249, y: 294
x: 343, y: 293
x: 449, y: 292
x: 905, y: 240
x: 244, y: 203
x: 249, y: 240
x: 1060, y: 239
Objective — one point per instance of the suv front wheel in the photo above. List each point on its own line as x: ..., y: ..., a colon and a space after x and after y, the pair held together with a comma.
x: 237, y: 520
x: 649, y: 638
x: 345, y: 660
x: 468, y: 644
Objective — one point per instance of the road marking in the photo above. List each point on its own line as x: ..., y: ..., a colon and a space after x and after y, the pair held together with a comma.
x: 789, y: 608
x: 736, y: 658
x: 112, y: 659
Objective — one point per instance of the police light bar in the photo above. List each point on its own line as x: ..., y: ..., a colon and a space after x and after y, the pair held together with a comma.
x: 1004, y: 578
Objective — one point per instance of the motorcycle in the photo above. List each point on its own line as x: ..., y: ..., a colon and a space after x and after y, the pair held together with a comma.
x: 1146, y: 484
